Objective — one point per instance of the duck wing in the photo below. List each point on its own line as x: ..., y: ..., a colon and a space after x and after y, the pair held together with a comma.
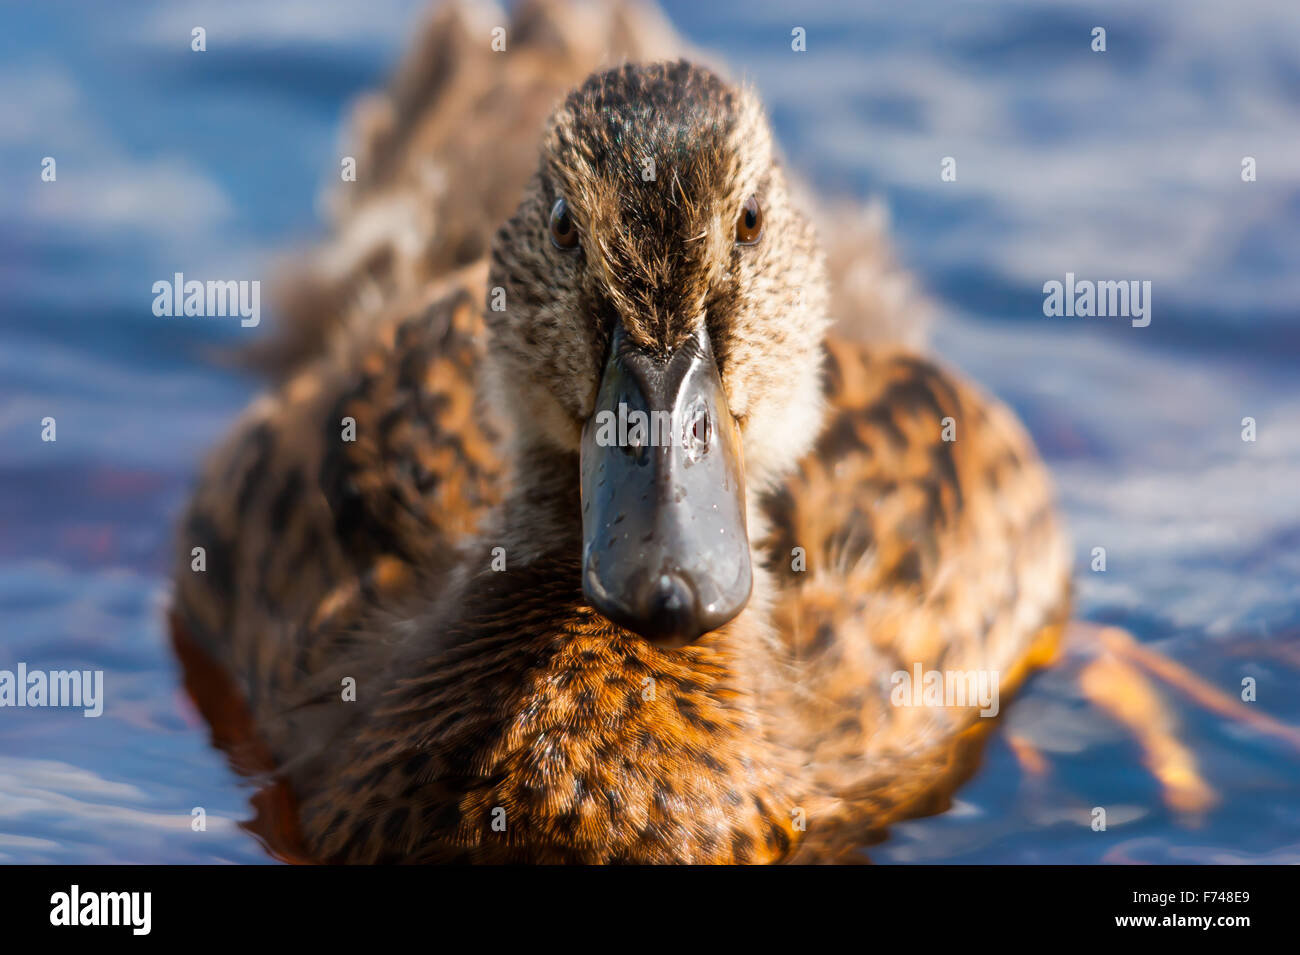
x: 354, y: 483
x: 920, y: 531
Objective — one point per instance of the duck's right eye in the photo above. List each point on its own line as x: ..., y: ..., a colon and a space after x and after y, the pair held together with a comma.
x: 564, y: 234
x: 749, y: 224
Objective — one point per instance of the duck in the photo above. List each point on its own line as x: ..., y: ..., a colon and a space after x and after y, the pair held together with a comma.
x: 472, y: 618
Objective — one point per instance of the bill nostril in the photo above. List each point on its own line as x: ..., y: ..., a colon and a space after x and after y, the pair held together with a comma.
x: 698, y: 432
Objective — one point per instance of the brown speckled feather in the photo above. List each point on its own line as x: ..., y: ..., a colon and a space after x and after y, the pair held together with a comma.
x: 303, y: 529
x: 916, y: 549
x: 581, y: 742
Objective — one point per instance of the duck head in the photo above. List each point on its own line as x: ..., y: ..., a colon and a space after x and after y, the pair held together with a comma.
x: 657, y: 307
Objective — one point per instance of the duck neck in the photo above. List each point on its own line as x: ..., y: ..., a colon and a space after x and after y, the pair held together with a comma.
x: 542, y: 512
x: 540, y: 526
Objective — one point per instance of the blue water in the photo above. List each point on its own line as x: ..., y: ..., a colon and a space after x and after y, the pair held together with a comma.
x: 1117, y: 165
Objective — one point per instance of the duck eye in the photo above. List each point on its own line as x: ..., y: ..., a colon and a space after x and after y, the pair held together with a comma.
x: 564, y: 234
x: 749, y: 224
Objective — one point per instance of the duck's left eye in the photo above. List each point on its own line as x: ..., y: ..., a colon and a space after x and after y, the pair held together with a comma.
x: 564, y: 234
x: 749, y: 224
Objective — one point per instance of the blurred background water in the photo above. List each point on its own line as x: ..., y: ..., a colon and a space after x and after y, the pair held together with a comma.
x: 1112, y: 166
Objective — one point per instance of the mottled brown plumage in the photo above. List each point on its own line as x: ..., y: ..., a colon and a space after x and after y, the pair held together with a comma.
x: 498, y: 717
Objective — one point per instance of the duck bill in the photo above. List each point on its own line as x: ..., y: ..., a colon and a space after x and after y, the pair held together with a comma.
x: 665, y: 548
